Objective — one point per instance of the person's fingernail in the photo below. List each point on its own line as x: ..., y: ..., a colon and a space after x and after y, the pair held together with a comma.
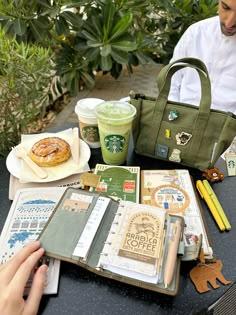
x: 44, y: 268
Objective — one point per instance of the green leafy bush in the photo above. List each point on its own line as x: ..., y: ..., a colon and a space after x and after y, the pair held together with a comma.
x: 39, y: 20
x: 89, y: 36
x: 102, y: 35
x: 25, y: 77
x: 106, y: 41
x: 171, y: 18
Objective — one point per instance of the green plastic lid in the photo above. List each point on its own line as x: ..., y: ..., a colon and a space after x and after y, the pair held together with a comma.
x: 115, y: 111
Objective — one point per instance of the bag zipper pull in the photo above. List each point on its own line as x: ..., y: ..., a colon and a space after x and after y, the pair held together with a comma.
x: 135, y: 96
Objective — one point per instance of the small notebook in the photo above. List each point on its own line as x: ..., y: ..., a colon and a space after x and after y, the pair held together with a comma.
x: 173, y: 190
x: 123, y: 240
x: 119, y: 182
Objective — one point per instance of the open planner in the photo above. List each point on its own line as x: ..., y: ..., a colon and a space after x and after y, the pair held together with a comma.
x: 125, y: 241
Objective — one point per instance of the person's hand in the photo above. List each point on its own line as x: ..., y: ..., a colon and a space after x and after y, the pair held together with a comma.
x: 14, y: 275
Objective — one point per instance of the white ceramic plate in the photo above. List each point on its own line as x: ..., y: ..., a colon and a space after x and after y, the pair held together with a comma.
x: 13, y: 165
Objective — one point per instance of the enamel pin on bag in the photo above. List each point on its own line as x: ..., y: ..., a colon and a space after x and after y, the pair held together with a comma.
x: 194, y: 136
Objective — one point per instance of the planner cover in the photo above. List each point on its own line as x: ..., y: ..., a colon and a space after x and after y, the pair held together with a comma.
x: 123, y: 240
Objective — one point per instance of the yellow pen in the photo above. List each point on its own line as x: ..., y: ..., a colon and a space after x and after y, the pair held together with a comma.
x: 217, y: 204
x: 204, y: 194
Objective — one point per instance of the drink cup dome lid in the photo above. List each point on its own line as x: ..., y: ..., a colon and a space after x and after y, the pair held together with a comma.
x: 86, y: 106
x: 115, y: 110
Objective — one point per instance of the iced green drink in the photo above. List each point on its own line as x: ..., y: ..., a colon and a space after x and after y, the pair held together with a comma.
x: 114, y: 124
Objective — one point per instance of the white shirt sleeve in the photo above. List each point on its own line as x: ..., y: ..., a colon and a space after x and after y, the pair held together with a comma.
x: 180, y: 51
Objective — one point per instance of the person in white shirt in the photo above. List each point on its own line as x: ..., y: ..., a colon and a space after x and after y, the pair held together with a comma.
x: 213, y: 41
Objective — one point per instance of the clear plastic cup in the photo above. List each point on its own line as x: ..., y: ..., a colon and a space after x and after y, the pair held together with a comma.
x: 115, y: 123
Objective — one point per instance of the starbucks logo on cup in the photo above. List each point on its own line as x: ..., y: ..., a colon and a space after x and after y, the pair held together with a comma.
x: 114, y: 143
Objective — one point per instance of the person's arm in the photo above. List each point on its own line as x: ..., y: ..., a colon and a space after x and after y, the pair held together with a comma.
x: 14, y: 275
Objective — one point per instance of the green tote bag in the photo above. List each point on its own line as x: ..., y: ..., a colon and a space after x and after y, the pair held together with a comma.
x: 194, y: 136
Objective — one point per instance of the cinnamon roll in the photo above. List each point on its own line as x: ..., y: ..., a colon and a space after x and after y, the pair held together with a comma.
x: 50, y: 151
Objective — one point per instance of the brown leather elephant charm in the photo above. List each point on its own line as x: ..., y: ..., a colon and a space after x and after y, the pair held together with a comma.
x: 203, y: 273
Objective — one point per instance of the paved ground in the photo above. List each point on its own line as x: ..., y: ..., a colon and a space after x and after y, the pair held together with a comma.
x: 143, y: 80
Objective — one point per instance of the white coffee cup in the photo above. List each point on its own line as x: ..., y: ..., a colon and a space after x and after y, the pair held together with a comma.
x: 87, y: 120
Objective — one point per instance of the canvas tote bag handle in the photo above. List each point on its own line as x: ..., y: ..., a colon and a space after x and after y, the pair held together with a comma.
x: 194, y: 62
x: 164, y: 81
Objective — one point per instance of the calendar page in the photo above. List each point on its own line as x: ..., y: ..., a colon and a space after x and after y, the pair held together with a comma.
x: 30, y: 210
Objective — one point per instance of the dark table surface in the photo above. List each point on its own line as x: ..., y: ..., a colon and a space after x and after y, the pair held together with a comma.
x: 82, y: 292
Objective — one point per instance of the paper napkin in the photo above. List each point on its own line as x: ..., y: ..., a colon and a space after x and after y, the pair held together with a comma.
x: 57, y: 172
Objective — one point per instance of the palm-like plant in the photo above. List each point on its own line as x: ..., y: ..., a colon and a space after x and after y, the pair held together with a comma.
x: 107, y: 40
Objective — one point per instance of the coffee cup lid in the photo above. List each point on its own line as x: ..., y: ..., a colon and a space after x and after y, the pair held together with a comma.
x: 85, y: 107
x: 115, y: 111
